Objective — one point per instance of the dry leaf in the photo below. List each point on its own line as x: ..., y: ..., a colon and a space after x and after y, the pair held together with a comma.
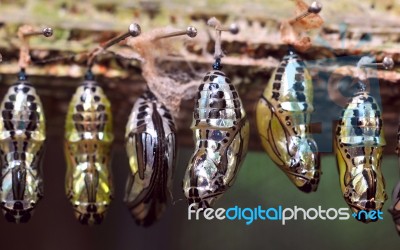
x: 291, y: 31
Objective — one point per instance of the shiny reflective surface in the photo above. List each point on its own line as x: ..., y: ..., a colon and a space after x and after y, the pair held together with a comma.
x: 88, y: 138
x: 22, y: 134
x: 221, y: 132
x: 151, y: 148
x: 359, y: 144
x: 283, y: 118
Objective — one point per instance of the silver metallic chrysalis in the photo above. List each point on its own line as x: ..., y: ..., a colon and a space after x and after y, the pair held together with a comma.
x: 359, y: 145
x: 151, y: 148
x: 221, y: 133
x: 88, y: 139
x: 283, y: 122
x: 22, y: 135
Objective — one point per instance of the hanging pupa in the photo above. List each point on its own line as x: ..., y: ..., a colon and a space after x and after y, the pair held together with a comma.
x: 359, y: 144
x: 22, y: 136
x: 221, y: 133
x: 284, y: 110
x: 88, y: 139
x: 151, y: 148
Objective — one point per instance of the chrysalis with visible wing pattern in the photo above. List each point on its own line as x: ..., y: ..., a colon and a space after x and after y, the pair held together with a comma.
x: 221, y: 132
x: 151, y: 147
x: 359, y: 145
x: 283, y: 120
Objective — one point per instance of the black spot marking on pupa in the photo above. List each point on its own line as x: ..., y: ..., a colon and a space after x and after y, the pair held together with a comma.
x: 30, y: 98
x: 280, y: 70
x: 238, y: 114
x: 213, y: 86
x: 141, y: 115
x: 101, y: 107
x: 33, y: 116
x: 7, y: 114
x: 8, y: 105
x: 353, y: 121
x: 214, y: 114
x: 299, y: 77
x: 300, y: 97
x: 275, y: 95
x: 83, y: 98
x: 140, y: 122
x: 278, y: 77
x: 298, y: 86
x: 79, y: 108
x: 212, y: 77
x: 77, y: 117
x: 33, y: 106
x: 218, y: 94
x: 12, y: 98
x: 218, y: 104
x: 276, y: 85
x: 79, y: 127
x: 25, y: 89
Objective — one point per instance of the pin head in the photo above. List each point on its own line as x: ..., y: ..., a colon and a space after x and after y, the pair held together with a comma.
x: 315, y: 7
x: 47, y: 32
x: 191, y: 31
x: 134, y: 29
x: 234, y: 28
x: 388, y: 63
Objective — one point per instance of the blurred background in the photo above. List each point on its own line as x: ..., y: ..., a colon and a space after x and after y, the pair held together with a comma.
x: 352, y: 29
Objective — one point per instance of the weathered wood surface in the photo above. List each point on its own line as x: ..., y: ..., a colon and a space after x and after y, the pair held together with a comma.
x: 351, y: 30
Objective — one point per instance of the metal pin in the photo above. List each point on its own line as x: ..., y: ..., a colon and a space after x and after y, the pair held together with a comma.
x: 190, y: 32
x: 218, y: 53
x: 134, y: 30
x: 314, y: 8
x: 233, y: 28
x: 47, y: 32
x: 387, y: 63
